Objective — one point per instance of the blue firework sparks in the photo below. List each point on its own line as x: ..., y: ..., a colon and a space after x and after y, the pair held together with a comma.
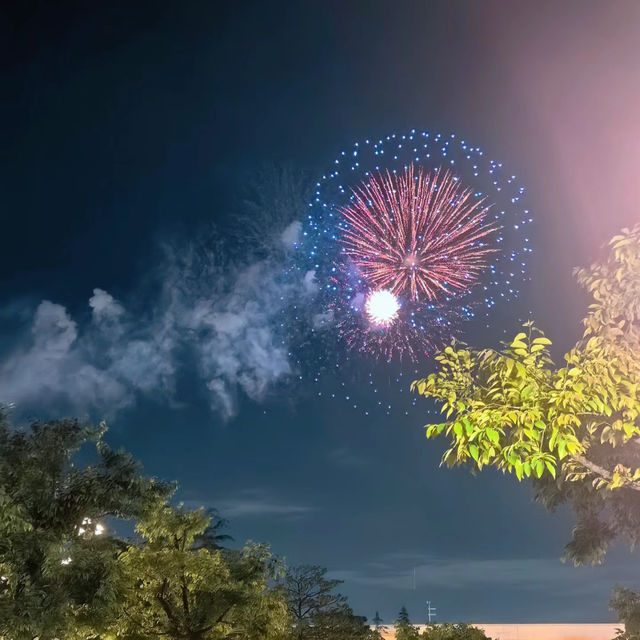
x: 345, y: 326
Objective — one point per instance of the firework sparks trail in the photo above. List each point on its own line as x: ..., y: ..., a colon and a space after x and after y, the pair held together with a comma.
x: 431, y: 220
x: 417, y: 233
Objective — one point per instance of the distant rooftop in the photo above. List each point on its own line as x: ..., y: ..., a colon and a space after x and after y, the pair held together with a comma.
x: 605, y: 631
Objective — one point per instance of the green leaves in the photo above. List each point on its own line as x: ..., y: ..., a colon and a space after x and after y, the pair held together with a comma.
x: 171, y: 587
x: 575, y: 427
x: 524, y: 416
x: 60, y: 581
x: 489, y: 399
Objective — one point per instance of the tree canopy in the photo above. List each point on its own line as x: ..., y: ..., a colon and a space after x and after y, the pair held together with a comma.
x: 317, y: 611
x: 403, y: 627
x: 65, y: 574
x: 175, y: 588
x: 55, y: 565
x: 574, y: 428
x: 453, y: 632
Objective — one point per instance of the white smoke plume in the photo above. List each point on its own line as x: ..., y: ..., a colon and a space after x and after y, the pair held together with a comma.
x: 226, y: 319
x: 99, y: 367
x: 232, y: 321
x: 291, y: 235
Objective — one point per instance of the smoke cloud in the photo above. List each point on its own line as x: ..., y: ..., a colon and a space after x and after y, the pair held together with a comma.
x: 225, y: 320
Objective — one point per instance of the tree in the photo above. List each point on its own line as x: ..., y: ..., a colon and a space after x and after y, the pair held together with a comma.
x: 575, y: 429
x: 309, y: 593
x: 378, y: 622
x: 453, y: 632
x: 177, y: 589
x: 403, y: 616
x: 339, y: 624
x: 626, y: 603
x: 403, y: 627
x: 317, y: 611
x: 212, y: 537
x: 57, y: 562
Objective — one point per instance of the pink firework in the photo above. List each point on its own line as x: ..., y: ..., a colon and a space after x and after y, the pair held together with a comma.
x: 417, y: 234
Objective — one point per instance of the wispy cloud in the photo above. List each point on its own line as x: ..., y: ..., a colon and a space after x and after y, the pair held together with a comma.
x: 343, y: 456
x: 260, y: 503
x: 396, y: 571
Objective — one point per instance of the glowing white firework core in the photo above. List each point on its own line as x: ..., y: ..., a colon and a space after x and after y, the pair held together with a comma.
x: 382, y: 307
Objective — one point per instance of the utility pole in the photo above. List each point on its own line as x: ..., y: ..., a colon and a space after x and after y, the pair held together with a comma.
x: 431, y: 611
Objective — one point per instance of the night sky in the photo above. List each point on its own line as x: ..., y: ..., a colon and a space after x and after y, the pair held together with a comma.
x: 130, y: 127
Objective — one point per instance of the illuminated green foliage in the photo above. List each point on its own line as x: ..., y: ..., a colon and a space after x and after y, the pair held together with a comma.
x: 576, y: 427
x: 56, y: 576
x: 174, y: 587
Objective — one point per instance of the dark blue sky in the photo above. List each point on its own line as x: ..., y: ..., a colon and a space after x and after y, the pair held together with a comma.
x: 129, y: 125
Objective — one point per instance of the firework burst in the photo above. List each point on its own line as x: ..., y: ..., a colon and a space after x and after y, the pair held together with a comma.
x: 406, y: 238
x: 416, y: 234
